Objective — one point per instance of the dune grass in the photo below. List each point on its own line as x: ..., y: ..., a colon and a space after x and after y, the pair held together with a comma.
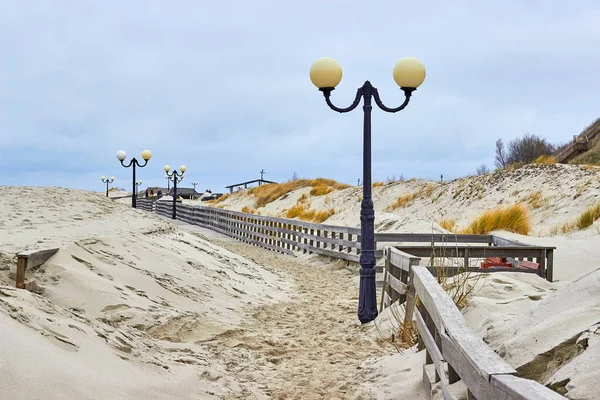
x: 407, y: 199
x: 448, y: 224
x: 220, y: 199
x: 268, y: 193
x: 545, y: 160
x: 305, y: 213
x: 377, y: 184
x: 513, y: 218
x: 248, y: 210
x: 585, y: 220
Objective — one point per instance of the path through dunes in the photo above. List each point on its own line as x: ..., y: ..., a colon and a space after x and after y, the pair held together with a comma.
x: 310, y: 347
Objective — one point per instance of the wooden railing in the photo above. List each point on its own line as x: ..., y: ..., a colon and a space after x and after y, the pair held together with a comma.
x: 278, y: 234
x: 30, y: 259
x: 342, y: 242
x: 453, y: 351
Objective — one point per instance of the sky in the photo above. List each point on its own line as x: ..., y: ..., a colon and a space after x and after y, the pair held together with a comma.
x: 223, y: 86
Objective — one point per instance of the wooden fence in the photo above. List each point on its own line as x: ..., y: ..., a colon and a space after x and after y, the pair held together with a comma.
x: 277, y: 234
x: 453, y: 351
x: 342, y: 242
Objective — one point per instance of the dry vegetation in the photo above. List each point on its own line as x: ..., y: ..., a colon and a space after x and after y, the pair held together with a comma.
x: 305, y: 213
x: 248, y: 210
x: 585, y: 220
x: 448, y: 224
x: 377, y: 184
x: 220, y: 199
x: 268, y: 193
x: 545, y: 160
x: 536, y: 200
x: 406, y: 199
x: 513, y: 218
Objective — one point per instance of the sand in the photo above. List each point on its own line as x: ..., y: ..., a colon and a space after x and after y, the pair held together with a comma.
x: 138, y: 306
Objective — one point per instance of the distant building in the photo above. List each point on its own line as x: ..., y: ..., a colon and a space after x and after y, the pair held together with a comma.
x: 185, y: 193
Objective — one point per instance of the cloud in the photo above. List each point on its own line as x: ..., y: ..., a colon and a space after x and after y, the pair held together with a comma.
x: 223, y: 86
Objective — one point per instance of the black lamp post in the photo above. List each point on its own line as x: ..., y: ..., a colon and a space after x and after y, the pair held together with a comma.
x: 121, y: 156
x: 326, y: 74
x: 107, y: 181
x: 175, y: 177
x: 137, y: 185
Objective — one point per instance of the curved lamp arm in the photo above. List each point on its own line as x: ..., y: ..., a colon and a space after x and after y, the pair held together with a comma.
x: 327, y: 94
x: 128, y: 165
x: 407, y: 94
x: 140, y: 165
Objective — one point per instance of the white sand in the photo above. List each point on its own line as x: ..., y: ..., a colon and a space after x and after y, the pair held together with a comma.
x: 136, y: 306
x: 510, y: 310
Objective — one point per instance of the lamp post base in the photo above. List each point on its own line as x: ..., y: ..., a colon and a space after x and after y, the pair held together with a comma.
x: 367, y: 296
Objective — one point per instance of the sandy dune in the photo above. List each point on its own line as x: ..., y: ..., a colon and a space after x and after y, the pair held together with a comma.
x: 138, y: 306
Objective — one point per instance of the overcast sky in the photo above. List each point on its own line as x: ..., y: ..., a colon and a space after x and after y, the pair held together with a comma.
x: 223, y: 86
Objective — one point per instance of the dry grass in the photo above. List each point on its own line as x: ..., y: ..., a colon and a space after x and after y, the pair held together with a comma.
x: 406, y: 199
x: 585, y: 220
x: 268, y: 193
x: 588, y: 217
x: 377, y: 184
x: 545, y: 160
x: 220, y: 199
x: 321, y: 190
x: 448, y: 224
x: 305, y: 213
x: 248, y: 210
x: 536, y: 200
x: 303, y: 199
x: 513, y: 218
x: 581, y: 188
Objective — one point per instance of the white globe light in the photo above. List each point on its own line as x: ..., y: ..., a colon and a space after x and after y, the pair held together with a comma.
x: 121, y: 155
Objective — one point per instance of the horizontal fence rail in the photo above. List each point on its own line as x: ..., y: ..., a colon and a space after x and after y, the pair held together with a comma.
x: 453, y: 351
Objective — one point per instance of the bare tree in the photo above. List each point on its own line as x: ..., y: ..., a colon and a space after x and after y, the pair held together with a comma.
x: 500, y: 160
x: 482, y: 170
x: 527, y: 149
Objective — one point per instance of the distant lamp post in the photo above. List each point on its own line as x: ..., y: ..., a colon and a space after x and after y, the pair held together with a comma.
x: 326, y: 74
x: 107, y: 181
x: 121, y: 156
x: 194, y: 184
x: 168, y: 183
x: 137, y: 185
x: 175, y: 177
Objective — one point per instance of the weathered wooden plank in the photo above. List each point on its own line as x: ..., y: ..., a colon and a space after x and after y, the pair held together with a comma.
x: 410, y: 304
x: 395, y: 284
x: 474, y: 251
x: 430, y: 345
x: 451, y: 271
x: 37, y: 257
x: 524, y: 389
x: 500, y: 241
x: 400, y: 259
x: 386, y: 237
x: 477, y: 381
x: 447, y: 318
x: 387, y: 300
